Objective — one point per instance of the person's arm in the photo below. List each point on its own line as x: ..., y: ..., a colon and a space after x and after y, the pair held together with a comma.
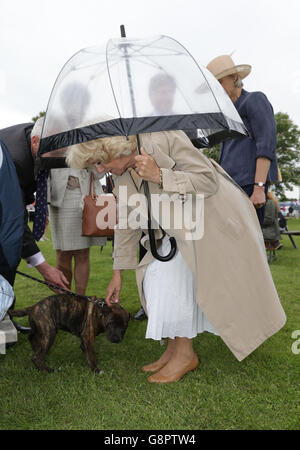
x: 114, y: 288
x: 261, y: 117
x: 53, y: 276
x: 126, y: 242
x: 34, y: 258
x: 50, y: 274
x: 125, y: 258
x: 193, y: 172
x: 258, y: 196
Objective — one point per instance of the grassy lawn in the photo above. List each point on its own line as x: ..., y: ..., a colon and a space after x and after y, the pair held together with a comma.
x: 262, y: 392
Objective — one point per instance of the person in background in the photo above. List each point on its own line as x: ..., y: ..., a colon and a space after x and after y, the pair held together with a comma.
x: 67, y: 187
x: 22, y: 143
x: 162, y: 89
x: 251, y: 161
x: 271, y: 229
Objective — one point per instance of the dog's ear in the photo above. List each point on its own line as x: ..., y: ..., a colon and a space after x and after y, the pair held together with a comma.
x: 105, y: 310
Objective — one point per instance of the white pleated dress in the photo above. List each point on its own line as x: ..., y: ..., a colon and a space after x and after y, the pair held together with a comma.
x: 171, y: 305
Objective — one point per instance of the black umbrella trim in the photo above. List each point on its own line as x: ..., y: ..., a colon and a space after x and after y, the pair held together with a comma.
x: 190, y: 123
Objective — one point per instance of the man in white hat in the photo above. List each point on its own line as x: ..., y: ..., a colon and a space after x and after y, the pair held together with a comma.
x: 250, y: 161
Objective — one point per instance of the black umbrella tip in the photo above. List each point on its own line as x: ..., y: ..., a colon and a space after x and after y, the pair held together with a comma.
x: 123, y: 33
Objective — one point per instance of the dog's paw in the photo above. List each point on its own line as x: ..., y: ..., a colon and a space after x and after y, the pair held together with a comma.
x: 99, y: 372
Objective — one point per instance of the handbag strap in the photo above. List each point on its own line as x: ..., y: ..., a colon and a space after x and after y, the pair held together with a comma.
x: 92, y: 186
x: 110, y: 179
x: 92, y: 191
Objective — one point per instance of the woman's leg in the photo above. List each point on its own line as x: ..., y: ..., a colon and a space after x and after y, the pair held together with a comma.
x: 64, y: 263
x: 81, y: 269
x: 182, y: 355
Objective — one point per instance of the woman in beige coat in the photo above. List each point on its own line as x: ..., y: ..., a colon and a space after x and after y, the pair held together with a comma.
x: 233, y: 285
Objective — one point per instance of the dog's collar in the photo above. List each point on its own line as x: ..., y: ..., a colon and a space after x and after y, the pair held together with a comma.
x: 98, y: 302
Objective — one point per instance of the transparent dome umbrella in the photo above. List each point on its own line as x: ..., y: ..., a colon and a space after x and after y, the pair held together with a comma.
x: 133, y: 86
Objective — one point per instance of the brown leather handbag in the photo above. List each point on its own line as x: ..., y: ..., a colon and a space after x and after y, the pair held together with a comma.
x: 99, y: 215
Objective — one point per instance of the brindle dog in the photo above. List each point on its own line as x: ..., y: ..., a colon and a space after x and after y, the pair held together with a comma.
x: 76, y: 315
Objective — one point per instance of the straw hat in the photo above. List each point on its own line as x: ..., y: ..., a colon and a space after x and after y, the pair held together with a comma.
x: 223, y: 65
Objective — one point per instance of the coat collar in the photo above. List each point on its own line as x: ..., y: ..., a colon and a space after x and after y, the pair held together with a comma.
x: 240, y: 99
x: 137, y: 180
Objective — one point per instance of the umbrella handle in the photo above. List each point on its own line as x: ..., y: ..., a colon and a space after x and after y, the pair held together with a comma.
x: 154, y: 251
x: 151, y: 231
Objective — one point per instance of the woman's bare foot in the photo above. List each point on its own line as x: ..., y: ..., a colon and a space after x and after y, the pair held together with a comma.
x: 163, y: 360
x: 183, y: 360
x: 176, y: 363
x: 169, y: 374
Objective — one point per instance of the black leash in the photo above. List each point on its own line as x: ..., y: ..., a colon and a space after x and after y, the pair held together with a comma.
x: 98, y: 302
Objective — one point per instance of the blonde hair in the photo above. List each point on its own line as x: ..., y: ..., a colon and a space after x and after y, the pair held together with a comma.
x: 103, y: 149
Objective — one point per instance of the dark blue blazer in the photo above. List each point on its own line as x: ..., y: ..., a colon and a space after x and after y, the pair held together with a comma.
x: 238, y: 156
x: 11, y: 213
x: 17, y: 142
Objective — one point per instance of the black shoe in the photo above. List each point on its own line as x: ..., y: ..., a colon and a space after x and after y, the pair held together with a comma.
x: 24, y: 330
x: 140, y: 315
x: 9, y: 345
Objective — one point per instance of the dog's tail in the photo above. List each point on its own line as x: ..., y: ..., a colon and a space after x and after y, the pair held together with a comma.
x: 19, y: 312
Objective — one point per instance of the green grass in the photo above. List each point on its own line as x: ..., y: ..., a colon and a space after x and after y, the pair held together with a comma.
x: 262, y: 392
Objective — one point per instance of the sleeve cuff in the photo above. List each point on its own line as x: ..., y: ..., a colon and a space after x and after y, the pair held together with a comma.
x: 35, y: 260
x: 264, y: 156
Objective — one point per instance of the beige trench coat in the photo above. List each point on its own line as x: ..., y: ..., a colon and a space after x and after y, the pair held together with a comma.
x: 233, y: 282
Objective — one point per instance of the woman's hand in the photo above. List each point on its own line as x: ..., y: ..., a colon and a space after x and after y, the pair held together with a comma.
x: 114, y: 288
x: 147, y: 167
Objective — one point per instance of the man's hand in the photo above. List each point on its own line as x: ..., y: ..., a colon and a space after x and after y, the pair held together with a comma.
x: 258, y: 197
x: 114, y: 288
x: 147, y: 167
x: 53, y: 276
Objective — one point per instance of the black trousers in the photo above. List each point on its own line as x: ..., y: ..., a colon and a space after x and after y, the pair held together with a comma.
x: 259, y: 211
